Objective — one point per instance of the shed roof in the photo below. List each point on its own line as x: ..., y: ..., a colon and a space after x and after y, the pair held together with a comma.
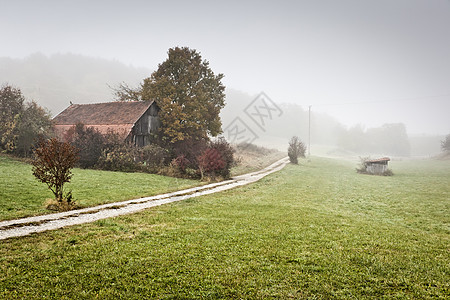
x: 379, y: 160
x: 109, y: 113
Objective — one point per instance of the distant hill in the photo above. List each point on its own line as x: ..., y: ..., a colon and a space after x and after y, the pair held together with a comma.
x: 56, y: 80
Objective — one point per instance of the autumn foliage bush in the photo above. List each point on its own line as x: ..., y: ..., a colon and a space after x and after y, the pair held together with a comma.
x: 227, y: 154
x: 188, y: 150
x: 210, y: 162
x: 200, y: 159
x: 216, y: 160
x: 192, y: 157
x: 52, y: 165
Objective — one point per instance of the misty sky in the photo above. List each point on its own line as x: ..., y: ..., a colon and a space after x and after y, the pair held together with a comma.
x: 369, y: 62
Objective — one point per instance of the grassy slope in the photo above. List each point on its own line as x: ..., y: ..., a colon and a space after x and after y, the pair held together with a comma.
x: 318, y: 230
x: 22, y: 195
x: 254, y: 158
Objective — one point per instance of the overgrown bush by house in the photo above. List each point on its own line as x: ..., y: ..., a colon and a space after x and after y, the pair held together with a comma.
x: 178, y: 167
x: 153, y: 158
x: 181, y: 162
x: 89, y: 142
x: 361, y: 169
x: 191, y: 158
x: 188, y: 150
x: 119, y: 158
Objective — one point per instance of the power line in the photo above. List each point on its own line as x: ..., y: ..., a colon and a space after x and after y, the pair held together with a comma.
x: 309, y: 132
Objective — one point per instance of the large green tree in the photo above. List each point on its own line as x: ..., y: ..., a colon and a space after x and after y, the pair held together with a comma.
x: 189, y: 94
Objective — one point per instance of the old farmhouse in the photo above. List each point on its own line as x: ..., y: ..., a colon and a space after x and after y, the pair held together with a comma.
x: 135, y: 122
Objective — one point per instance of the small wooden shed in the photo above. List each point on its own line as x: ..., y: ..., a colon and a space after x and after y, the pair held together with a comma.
x: 377, y: 166
x: 135, y: 122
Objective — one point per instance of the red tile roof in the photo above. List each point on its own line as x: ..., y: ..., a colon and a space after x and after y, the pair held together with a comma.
x: 117, y: 117
x: 110, y: 113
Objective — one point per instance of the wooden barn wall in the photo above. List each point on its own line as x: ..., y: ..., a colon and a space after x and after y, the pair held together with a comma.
x: 147, y: 125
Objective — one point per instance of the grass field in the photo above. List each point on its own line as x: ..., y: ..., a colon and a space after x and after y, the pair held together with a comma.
x: 318, y: 231
x: 22, y: 195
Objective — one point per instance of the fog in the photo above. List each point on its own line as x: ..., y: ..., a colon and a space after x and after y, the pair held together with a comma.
x: 355, y: 64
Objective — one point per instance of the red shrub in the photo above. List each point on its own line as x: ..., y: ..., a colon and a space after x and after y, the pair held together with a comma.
x: 210, y: 162
x: 227, y: 155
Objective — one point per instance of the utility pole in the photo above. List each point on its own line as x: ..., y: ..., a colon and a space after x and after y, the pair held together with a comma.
x: 309, y: 132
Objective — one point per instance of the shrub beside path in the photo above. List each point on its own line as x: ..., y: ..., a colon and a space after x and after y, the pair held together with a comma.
x: 26, y: 226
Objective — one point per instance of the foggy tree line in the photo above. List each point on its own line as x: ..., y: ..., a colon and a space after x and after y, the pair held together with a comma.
x: 54, y: 81
x: 389, y: 139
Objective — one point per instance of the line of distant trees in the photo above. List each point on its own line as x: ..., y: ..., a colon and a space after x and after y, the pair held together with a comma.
x: 389, y: 139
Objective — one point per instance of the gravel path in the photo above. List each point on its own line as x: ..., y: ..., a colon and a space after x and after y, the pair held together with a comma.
x: 26, y: 226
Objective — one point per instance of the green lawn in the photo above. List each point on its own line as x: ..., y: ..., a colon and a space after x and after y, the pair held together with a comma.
x: 318, y: 231
x: 22, y: 195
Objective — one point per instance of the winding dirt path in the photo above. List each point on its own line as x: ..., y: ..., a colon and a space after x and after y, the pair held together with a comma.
x: 26, y: 226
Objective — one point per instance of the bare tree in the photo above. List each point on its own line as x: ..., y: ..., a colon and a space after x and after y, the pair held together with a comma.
x: 445, y: 144
x: 126, y: 93
x: 296, y: 149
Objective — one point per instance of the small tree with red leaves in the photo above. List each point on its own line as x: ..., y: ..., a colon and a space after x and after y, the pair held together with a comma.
x: 52, y: 165
x: 227, y: 155
x: 210, y: 162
